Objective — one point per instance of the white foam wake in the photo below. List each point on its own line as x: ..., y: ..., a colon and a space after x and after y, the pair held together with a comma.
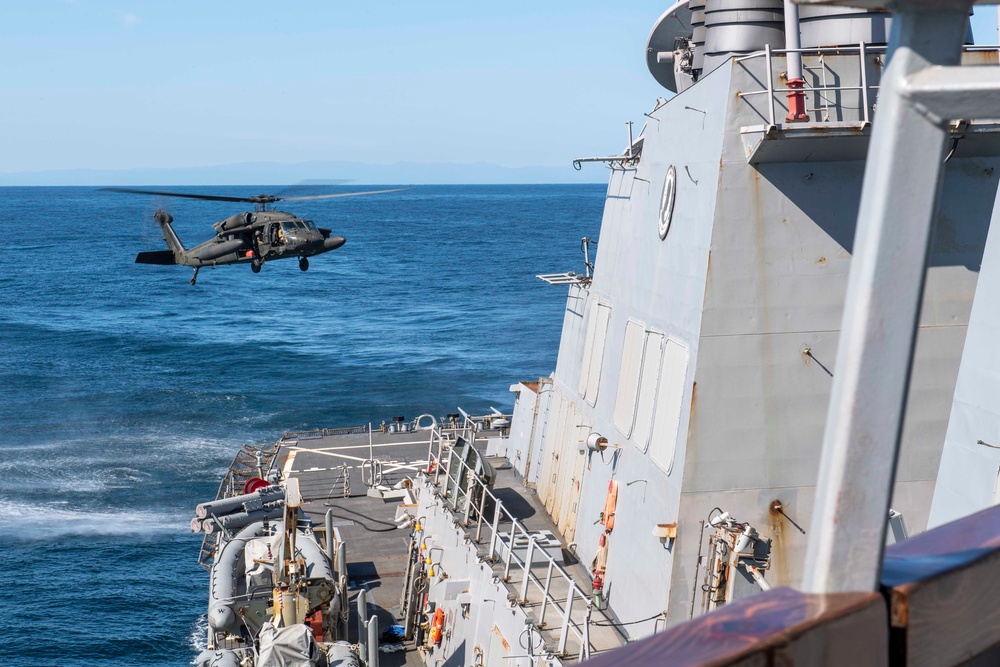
x: 118, y: 462
x: 199, y: 635
x: 38, y: 522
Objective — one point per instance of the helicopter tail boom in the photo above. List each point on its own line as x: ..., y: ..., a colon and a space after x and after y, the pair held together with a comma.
x: 169, y: 235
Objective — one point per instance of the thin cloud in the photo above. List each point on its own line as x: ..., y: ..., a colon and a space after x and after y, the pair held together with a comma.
x: 129, y: 20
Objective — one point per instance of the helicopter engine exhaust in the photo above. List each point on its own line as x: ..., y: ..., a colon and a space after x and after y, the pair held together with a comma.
x: 217, y: 250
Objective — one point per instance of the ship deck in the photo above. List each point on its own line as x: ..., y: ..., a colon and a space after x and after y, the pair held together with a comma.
x: 376, y: 548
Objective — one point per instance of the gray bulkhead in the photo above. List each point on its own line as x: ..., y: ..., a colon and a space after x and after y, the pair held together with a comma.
x: 747, y: 287
x: 781, y: 247
x: 968, y: 479
x: 660, y: 286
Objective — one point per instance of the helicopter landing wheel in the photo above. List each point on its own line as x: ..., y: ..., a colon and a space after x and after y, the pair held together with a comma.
x: 255, y: 265
x: 303, y: 263
x: 194, y: 278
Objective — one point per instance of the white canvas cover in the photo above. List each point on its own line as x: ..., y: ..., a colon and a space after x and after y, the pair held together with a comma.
x: 293, y: 646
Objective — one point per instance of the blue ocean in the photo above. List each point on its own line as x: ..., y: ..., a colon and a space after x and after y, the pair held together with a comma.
x: 125, y: 391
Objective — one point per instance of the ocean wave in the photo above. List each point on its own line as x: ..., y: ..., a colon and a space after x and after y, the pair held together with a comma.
x: 30, y: 522
x: 199, y: 635
x: 123, y: 461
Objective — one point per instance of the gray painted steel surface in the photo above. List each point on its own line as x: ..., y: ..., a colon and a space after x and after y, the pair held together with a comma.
x: 842, y: 26
x: 741, y: 26
x: 751, y: 278
x: 967, y: 480
x: 864, y: 425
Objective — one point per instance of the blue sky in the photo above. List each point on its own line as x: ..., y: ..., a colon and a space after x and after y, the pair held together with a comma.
x: 104, y: 84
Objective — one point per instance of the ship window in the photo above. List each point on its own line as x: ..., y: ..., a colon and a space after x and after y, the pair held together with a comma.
x: 593, y: 351
x: 648, y: 383
x: 666, y: 421
x: 628, y: 377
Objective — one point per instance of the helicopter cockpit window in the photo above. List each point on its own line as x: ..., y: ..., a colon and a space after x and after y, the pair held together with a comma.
x: 310, y: 225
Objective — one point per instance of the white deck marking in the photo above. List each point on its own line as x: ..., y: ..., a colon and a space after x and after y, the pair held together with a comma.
x: 287, y: 469
x: 387, y: 467
x: 365, y: 446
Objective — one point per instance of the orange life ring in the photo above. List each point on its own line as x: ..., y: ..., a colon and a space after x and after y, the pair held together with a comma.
x: 436, y: 626
x: 609, y: 506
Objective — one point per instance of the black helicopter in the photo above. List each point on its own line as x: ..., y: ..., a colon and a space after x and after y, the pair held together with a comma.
x: 253, y: 237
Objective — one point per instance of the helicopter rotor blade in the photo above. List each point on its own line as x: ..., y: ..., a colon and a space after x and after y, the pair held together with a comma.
x: 185, y: 195
x: 342, y: 194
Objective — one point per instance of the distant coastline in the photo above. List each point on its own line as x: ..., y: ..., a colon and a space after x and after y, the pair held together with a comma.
x: 432, y: 173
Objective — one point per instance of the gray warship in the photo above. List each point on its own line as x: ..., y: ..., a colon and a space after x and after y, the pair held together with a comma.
x: 779, y: 360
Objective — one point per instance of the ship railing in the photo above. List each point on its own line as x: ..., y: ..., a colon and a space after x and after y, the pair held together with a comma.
x: 831, y: 96
x: 467, y: 493
x: 250, y: 461
x: 316, y: 434
x: 824, y: 91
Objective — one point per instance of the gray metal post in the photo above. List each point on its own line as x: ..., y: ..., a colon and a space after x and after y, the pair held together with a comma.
x: 567, y: 620
x: 498, y: 510
x: 430, y: 444
x: 437, y: 467
x: 898, y: 203
x: 447, y: 477
x: 585, y: 639
x: 545, y: 595
x: 373, y: 641
x: 527, y: 571
x: 479, y: 518
x: 866, y: 108
x: 510, y: 549
x: 770, y: 86
x: 470, y: 485
x: 793, y: 42
x: 345, y: 605
x: 330, y: 553
x: 362, y: 630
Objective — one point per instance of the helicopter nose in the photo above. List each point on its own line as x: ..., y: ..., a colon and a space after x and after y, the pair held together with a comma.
x: 333, y: 242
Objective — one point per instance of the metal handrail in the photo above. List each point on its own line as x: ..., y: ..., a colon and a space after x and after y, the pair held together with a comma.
x: 452, y: 494
x: 862, y: 50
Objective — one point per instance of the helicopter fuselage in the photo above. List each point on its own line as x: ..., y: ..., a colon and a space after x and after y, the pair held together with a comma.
x: 263, y: 236
x: 252, y: 238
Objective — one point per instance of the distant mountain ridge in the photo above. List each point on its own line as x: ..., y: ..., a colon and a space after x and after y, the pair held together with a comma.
x: 430, y: 173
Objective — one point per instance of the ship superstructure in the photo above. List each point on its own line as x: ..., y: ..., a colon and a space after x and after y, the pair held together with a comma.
x: 702, y: 347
